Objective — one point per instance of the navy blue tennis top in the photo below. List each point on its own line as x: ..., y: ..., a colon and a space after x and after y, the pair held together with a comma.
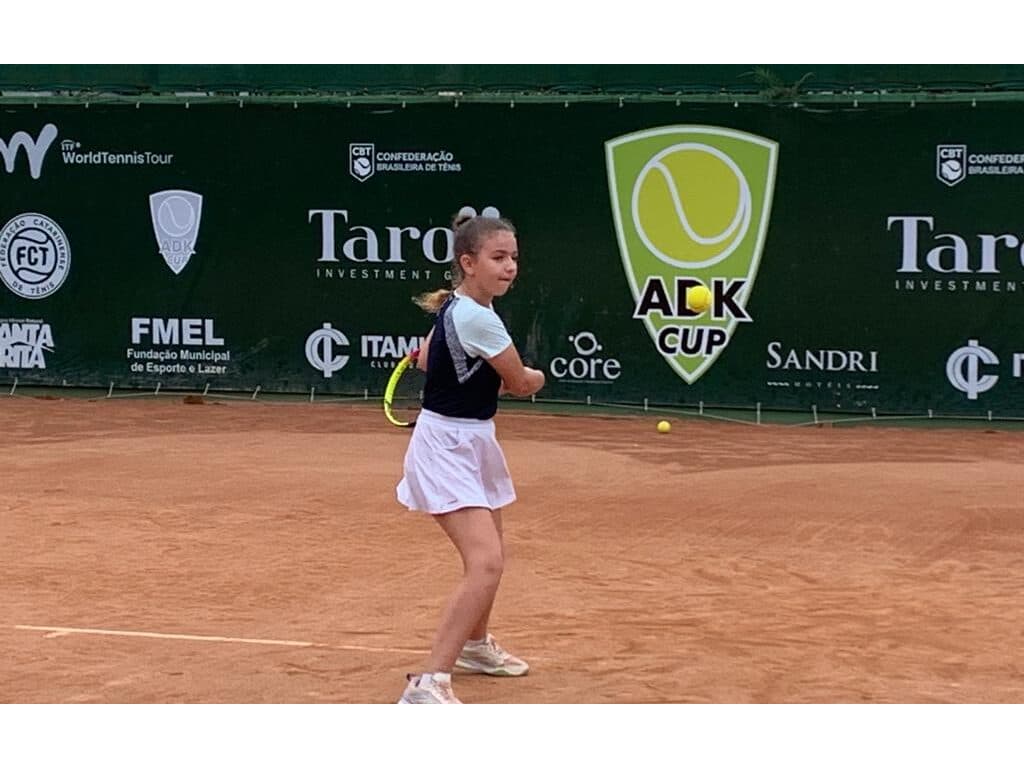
x: 458, y: 385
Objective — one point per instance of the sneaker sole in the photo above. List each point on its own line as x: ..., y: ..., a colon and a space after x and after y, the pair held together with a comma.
x: 493, y: 672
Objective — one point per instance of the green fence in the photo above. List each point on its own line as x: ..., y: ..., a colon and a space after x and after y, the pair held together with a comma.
x: 860, y: 258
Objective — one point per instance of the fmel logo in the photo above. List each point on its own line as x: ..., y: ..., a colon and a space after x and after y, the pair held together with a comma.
x: 691, y: 205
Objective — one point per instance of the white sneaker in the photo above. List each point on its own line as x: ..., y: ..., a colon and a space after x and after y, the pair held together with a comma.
x: 432, y: 688
x: 488, y: 658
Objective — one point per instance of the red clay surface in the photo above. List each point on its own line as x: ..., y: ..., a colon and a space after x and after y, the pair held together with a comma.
x: 717, y: 563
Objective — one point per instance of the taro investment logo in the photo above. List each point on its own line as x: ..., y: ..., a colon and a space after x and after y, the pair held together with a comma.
x: 691, y: 205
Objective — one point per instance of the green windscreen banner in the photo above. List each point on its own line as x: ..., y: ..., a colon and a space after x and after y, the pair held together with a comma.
x: 854, y: 258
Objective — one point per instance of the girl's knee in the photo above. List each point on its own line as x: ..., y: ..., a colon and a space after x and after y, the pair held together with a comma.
x: 486, y: 566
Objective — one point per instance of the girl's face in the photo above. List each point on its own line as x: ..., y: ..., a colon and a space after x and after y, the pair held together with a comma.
x: 495, y: 265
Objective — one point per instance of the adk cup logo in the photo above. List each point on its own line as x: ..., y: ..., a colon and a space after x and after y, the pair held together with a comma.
x: 176, y: 214
x: 691, y: 205
x: 34, y: 255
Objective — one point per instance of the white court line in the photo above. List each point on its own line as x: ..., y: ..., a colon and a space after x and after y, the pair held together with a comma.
x: 61, y: 631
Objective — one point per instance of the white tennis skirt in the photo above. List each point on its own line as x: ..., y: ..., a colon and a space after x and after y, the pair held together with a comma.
x: 454, y: 463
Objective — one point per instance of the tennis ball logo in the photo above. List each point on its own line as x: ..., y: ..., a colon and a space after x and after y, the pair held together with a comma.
x: 951, y: 170
x: 175, y: 216
x: 691, y: 205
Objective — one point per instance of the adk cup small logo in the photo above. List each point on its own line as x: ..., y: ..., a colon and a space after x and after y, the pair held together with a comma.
x: 34, y: 255
x: 951, y: 163
x: 176, y: 214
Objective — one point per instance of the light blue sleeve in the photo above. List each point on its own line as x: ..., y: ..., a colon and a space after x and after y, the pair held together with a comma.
x: 480, y: 330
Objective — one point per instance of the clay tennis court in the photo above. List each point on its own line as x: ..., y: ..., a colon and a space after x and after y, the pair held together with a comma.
x: 254, y: 552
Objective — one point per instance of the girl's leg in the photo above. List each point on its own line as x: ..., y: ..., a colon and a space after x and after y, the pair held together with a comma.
x: 479, y: 631
x: 476, y: 536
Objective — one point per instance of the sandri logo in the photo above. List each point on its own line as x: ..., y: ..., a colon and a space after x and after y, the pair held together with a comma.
x: 691, y: 206
x: 35, y: 149
x: 176, y: 214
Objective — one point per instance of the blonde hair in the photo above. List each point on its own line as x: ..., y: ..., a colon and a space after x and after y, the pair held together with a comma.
x: 470, y: 232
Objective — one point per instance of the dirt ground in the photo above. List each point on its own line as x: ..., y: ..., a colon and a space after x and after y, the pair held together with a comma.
x: 717, y: 563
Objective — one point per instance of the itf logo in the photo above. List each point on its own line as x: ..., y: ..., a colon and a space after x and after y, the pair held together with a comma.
x: 320, y: 350
x: 35, y: 149
x: 951, y: 163
x: 361, y: 161
x: 176, y: 215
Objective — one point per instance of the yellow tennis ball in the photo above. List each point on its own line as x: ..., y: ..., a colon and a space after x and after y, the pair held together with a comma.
x: 664, y: 426
x: 690, y: 203
x: 698, y: 298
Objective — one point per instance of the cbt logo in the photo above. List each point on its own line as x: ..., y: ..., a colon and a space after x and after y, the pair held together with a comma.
x: 964, y: 368
x: 360, y: 161
x: 320, y: 346
x: 35, y: 149
x: 34, y: 255
x: 586, y: 366
x: 951, y: 163
x: 691, y: 205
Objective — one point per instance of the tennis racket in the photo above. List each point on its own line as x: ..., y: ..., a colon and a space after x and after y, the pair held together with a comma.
x: 404, y: 392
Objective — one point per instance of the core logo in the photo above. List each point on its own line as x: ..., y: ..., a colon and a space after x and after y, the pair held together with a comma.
x: 320, y: 350
x: 586, y: 366
x: 35, y: 149
x: 176, y: 214
x: 25, y: 343
x: 34, y: 255
x: 691, y: 205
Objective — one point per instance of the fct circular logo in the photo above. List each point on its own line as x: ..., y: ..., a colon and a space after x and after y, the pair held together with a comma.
x: 34, y: 255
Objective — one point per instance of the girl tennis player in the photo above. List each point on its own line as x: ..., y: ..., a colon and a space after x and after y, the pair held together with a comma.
x: 454, y: 468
